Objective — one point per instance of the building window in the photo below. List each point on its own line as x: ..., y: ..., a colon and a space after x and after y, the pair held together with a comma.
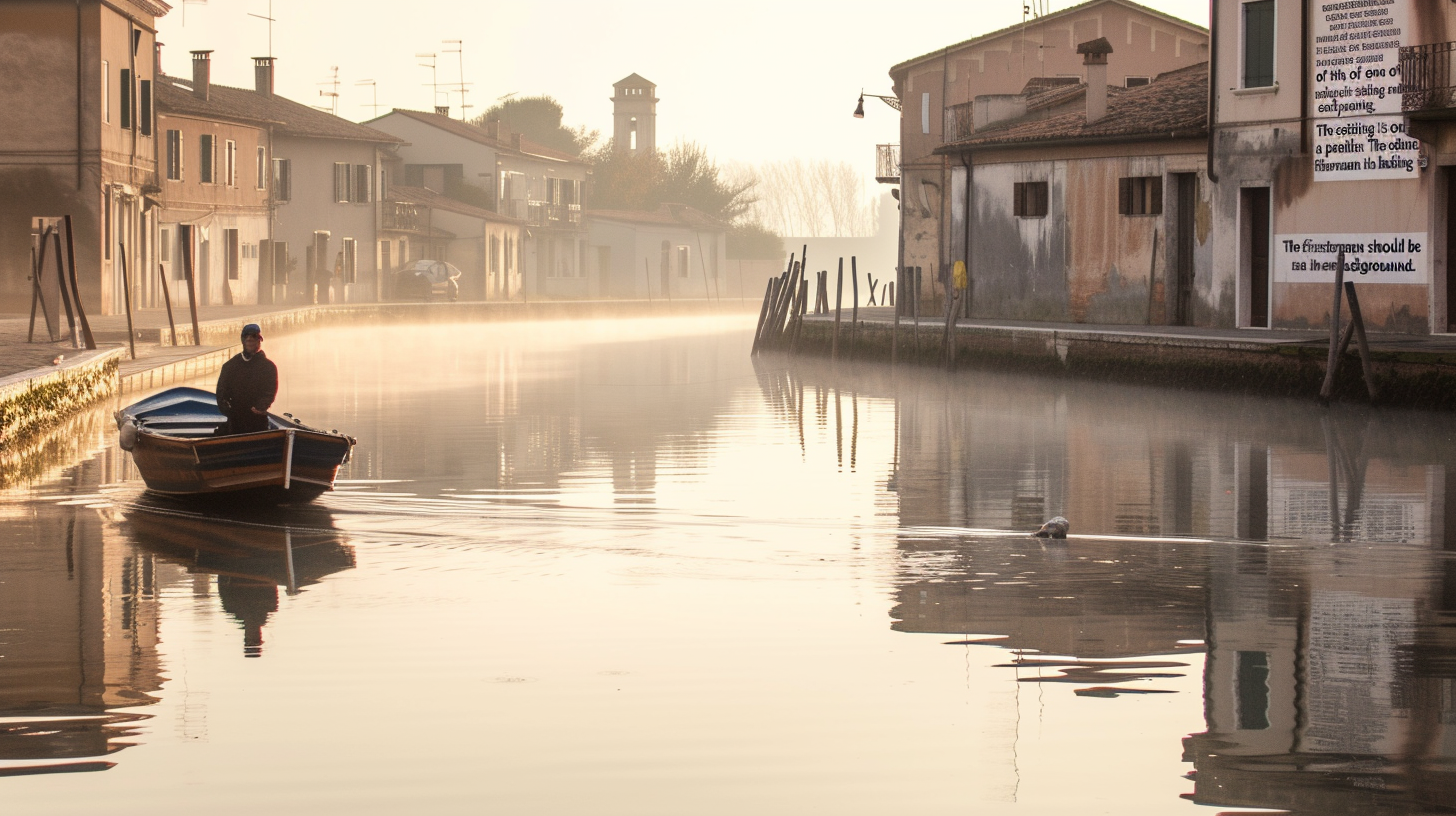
x: 1259, y: 44
x: 350, y: 271
x: 144, y: 119
x: 1029, y: 199
x: 207, y: 153
x: 684, y: 258
x: 383, y: 184
x: 495, y: 265
x: 174, y: 155
x: 262, y: 168
x: 282, y: 179
x: 1135, y: 82
x: 386, y: 263
x: 230, y: 246
x: 363, y: 184
x: 125, y: 99
x: 166, y: 248
x: 106, y: 91
x: 343, y: 175
x: 1140, y: 195
x: 230, y: 164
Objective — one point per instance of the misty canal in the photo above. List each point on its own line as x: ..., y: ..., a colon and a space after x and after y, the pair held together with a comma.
x: 621, y: 567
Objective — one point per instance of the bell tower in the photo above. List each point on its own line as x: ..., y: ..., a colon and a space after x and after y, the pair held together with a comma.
x: 634, y: 116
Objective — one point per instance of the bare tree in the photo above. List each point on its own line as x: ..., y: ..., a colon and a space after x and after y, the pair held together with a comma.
x: 816, y: 198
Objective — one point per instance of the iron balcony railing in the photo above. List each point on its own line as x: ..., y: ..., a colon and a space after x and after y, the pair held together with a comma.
x: 959, y: 121
x: 887, y: 164
x: 541, y: 214
x: 1427, y: 78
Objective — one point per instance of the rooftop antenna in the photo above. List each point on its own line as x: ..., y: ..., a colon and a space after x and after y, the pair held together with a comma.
x: 269, y: 18
x: 434, y: 80
x: 375, y: 104
x: 459, y: 49
x: 332, y: 93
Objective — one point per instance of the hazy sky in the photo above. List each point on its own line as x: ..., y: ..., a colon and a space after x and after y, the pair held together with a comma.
x: 750, y: 80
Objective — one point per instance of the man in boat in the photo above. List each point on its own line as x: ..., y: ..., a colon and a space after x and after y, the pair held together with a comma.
x: 247, y: 385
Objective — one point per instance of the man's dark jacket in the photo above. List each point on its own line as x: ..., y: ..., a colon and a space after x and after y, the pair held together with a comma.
x: 246, y: 383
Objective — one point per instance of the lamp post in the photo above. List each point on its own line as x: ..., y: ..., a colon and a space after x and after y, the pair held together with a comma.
x: 892, y: 101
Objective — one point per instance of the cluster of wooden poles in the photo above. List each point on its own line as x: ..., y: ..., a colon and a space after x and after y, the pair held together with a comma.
x: 71, y: 292
x: 786, y: 301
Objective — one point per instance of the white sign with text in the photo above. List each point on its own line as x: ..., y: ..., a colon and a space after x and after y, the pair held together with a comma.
x: 1359, y: 133
x: 1387, y: 257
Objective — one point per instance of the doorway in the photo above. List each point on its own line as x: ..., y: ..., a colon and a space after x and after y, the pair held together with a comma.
x: 1186, y: 187
x: 1254, y: 243
x: 1450, y: 242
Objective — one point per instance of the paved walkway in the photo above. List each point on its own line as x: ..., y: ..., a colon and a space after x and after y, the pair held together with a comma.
x: 1435, y: 344
x: 18, y: 356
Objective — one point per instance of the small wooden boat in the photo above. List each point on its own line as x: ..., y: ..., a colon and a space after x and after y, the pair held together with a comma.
x: 173, y: 439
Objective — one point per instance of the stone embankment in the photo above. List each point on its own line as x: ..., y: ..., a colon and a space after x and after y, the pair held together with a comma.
x: 1410, y: 371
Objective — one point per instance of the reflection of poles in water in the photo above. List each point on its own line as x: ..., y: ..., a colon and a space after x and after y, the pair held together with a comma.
x: 1352, y: 470
x: 838, y: 430
x: 801, y: 398
x: 854, y: 430
x: 288, y: 559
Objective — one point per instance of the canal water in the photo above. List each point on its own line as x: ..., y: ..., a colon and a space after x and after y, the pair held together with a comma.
x: 624, y: 568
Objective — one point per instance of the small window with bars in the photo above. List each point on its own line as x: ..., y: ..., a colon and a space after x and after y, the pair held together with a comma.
x: 1029, y: 199
x: 1140, y: 195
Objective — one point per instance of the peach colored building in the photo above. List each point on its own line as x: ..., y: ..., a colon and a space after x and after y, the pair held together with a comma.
x: 945, y: 93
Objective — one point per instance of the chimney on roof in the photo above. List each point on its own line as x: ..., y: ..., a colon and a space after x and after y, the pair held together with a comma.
x: 201, y: 73
x: 516, y: 141
x: 1094, y: 56
x: 442, y: 110
x: 157, y: 60
x: 263, y: 75
x: 492, y: 129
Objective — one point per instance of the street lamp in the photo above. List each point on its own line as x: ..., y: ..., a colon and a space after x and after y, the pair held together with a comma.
x: 892, y: 101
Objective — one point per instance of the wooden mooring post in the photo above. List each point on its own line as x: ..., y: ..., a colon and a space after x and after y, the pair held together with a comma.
x: 854, y: 305
x: 838, y: 311
x: 1340, y: 340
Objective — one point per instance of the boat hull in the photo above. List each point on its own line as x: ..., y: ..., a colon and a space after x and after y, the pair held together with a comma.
x: 171, y: 439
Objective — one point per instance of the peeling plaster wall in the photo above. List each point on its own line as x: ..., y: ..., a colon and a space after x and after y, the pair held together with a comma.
x: 1261, y: 155
x: 1083, y: 261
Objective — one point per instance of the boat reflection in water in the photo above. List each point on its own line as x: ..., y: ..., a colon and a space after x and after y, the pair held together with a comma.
x: 252, y: 551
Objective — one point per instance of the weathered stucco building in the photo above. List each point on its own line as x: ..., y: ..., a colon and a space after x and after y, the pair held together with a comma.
x: 80, y: 141
x: 1091, y: 215
x: 675, y: 251
x: 942, y: 98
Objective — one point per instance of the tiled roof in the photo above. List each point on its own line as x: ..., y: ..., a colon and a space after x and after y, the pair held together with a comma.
x: 1174, y: 104
x: 672, y: 215
x: 465, y: 130
x: 430, y: 198
x: 1013, y: 29
x: 1042, y: 84
x: 241, y: 105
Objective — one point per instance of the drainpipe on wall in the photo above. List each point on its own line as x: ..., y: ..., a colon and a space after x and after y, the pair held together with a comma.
x: 1212, y: 86
x: 80, y: 102
x: 970, y: 286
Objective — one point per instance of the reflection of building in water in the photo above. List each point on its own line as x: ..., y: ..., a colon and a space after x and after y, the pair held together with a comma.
x: 1331, y: 683
x: 78, y: 629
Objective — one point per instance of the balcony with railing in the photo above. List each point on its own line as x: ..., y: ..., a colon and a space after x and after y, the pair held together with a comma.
x: 887, y: 164
x: 960, y: 121
x: 560, y: 216
x: 1428, y: 79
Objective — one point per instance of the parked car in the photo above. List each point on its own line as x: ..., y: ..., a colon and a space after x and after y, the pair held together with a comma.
x: 427, y: 279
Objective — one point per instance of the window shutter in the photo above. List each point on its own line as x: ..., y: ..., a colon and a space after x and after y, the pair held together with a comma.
x: 1155, y: 207
x: 126, y: 98
x: 1018, y: 199
x: 1124, y: 196
x: 145, y: 120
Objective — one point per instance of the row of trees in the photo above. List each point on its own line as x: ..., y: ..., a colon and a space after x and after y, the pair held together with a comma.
x: 760, y: 203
